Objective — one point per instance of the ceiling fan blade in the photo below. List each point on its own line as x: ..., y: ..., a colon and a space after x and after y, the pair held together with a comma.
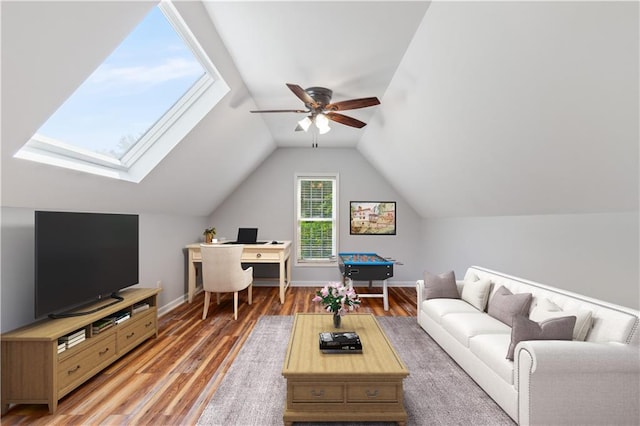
x: 282, y: 110
x: 353, y: 104
x: 346, y: 120
x: 302, y: 95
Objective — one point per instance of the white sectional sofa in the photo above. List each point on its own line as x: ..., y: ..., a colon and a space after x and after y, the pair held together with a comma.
x: 549, y: 382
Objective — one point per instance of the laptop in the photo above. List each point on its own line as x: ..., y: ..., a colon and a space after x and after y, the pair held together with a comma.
x: 247, y: 236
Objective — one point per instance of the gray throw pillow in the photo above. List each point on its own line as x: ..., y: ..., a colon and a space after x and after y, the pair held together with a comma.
x: 504, y: 305
x: 551, y: 329
x: 441, y: 286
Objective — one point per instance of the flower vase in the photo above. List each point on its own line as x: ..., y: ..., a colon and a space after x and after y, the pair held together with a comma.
x: 337, y: 320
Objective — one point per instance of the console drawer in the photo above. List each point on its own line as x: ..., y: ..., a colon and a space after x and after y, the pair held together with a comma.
x: 137, y: 329
x: 78, y: 367
x: 373, y: 392
x: 318, y: 392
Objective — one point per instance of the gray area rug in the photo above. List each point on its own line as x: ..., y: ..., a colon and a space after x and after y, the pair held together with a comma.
x: 437, y: 391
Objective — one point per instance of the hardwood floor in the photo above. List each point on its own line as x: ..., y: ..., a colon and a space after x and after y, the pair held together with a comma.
x: 170, y: 379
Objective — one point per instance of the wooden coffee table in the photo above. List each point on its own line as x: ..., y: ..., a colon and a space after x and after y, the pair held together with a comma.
x: 342, y: 387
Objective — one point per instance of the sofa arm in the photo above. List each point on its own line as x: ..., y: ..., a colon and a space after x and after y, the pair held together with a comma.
x: 419, y: 292
x: 568, y: 382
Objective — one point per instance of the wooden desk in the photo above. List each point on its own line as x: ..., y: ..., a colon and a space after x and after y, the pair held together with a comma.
x: 253, y: 253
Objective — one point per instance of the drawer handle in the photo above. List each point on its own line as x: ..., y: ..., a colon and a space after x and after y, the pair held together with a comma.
x: 73, y: 370
x: 149, y: 324
x: 372, y: 393
x: 317, y: 394
x: 130, y: 335
x: 258, y: 255
x: 103, y: 352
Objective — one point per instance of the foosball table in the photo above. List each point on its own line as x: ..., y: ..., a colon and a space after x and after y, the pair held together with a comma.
x: 366, y: 267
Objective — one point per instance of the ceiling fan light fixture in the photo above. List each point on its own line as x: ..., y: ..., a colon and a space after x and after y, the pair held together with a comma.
x: 322, y: 123
x: 324, y: 129
x: 317, y: 101
x: 305, y: 123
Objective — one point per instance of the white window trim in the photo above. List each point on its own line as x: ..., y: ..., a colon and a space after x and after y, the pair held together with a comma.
x: 326, y: 263
x: 163, y: 136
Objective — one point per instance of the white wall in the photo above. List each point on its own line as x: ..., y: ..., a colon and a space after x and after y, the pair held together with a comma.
x: 266, y: 200
x: 162, y: 258
x: 591, y: 254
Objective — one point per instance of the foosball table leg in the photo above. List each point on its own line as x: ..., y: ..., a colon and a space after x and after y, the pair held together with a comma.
x: 385, y: 295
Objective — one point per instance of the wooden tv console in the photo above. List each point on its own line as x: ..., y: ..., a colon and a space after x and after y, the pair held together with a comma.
x: 33, y: 372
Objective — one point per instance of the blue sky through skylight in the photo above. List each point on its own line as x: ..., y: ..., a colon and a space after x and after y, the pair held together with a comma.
x: 136, y: 85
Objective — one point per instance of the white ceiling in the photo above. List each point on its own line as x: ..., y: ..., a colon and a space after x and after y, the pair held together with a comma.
x: 488, y: 108
x: 352, y: 48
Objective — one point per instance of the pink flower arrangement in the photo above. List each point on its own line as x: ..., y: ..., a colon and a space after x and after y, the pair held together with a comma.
x: 337, y: 298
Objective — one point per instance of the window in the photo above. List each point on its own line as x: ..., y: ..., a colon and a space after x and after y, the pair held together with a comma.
x: 316, y: 213
x: 136, y: 106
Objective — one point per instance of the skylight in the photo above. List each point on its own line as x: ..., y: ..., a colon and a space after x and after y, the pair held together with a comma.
x: 136, y: 106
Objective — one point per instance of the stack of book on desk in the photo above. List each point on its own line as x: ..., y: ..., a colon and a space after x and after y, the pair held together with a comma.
x: 70, y: 340
x: 340, y: 342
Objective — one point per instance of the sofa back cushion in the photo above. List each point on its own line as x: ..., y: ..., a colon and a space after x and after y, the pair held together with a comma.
x: 610, y: 322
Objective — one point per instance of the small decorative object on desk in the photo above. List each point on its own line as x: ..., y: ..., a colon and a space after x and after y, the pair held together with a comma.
x: 209, y: 233
x: 338, y: 299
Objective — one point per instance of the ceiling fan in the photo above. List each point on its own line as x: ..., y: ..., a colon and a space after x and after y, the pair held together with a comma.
x: 320, y: 109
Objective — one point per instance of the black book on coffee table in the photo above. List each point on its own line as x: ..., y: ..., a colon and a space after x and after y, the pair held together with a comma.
x: 340, y: 342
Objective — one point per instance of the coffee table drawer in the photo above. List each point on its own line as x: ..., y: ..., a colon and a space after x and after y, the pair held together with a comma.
x: 372, y: 392
x: 317, y: 392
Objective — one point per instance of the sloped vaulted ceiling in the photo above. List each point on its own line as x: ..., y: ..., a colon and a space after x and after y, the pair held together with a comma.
x: 49, y: 48
x: 488, y: 108
x: 514, y: 108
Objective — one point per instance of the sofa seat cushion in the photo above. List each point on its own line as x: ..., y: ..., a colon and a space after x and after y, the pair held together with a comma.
x: 437, y: 308
x: 490, y: 349
x: 464, y: 326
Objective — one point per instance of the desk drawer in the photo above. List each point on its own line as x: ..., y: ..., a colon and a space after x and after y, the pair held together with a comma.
x: 256, y: 255
x: 373, y: 392
x: 319, y: 392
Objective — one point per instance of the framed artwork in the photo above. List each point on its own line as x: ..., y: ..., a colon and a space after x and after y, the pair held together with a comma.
x: 373, y: 218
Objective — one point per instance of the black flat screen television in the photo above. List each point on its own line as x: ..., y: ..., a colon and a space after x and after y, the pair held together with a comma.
x: 81, y: 258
